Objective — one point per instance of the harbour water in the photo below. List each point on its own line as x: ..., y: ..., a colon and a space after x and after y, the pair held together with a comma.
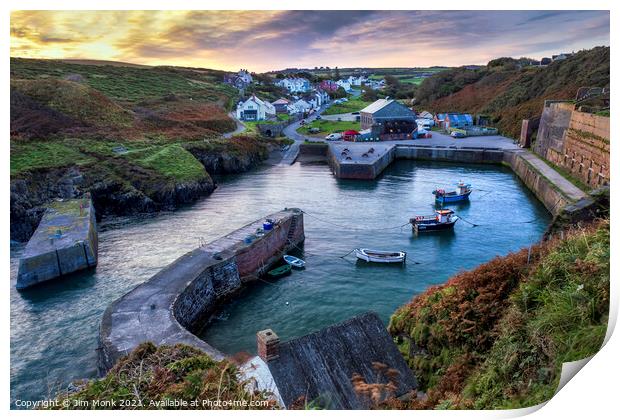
x: 54, y: 327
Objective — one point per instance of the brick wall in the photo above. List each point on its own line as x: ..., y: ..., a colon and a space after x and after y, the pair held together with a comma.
x: 586, y: 149
x: 579, y: 143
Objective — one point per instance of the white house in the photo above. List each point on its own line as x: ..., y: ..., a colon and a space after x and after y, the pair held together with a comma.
x: 322, y: 97
x: 255, y: 109
x: 345, y: 84
x: 295, y: 84
x: 245, y: 76
x: 302, y: 106
x: 375, y: 84
x: 357, y: 81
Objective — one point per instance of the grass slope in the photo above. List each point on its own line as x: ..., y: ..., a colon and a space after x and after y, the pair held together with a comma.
x: 352, y: 105
x: 131, y: 84
x: 496, y: 337
x: 326, y: 127
x: 151, y: 377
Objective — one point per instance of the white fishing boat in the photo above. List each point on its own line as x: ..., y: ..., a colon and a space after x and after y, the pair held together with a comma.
x: 294, y: 261
x: 370, y: 255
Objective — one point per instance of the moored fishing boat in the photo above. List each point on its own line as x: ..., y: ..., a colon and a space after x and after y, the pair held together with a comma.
x: 370, y: 255
x: 441, y: 220
x: 283, y: 270
x: 461, y: 193
x: 294, y: 261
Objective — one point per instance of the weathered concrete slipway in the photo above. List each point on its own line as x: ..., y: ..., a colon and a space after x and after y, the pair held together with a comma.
x: 553, y: 190
x: 65, y: 241
x: 178, y: 300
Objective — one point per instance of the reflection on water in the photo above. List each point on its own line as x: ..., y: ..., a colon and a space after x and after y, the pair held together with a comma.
x: 54, y: 327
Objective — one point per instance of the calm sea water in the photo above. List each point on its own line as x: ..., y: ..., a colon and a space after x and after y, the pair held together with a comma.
x: 54, y: 327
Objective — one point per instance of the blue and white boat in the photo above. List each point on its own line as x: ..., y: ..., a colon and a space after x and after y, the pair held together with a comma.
x: 461, y: 193
x: 441, y: 220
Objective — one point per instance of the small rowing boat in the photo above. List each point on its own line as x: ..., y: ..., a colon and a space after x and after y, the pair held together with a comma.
x: 281, y: 271
x: 370, y: 255
x: 461, y: 194
x: 441, y: 220
x: 294, y: 261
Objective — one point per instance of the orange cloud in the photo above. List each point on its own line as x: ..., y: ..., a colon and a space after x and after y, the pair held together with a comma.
x: 269, y: 40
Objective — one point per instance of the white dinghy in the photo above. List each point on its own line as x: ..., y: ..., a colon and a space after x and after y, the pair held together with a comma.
x: 370, y: 255
x: 294, y: 261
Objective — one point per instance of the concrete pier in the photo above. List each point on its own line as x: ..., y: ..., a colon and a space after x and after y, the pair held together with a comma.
x: 360, y: 161
x: 65, y: 241
x: 180, y: 298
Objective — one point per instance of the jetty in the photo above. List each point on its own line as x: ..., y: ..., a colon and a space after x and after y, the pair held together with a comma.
x: 178, y: 300
x: 65, y: 242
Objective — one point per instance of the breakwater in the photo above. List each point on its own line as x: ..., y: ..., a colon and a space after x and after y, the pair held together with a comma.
x: 64, y: 242
x: 178, y: 300
x: 368, y: 161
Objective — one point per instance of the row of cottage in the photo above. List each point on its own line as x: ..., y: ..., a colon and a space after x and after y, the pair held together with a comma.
x: 300, y: 84
x: 256, y: 109
x: 242, y: 79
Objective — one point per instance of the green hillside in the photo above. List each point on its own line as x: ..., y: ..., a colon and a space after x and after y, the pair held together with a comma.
x: 511, y: 90
x: 496, y: 337
x: 139, y: 139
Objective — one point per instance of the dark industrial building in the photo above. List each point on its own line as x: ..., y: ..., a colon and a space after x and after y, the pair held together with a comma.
x: 388, y: 119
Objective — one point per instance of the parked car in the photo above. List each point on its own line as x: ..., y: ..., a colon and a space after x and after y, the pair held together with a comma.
x: 318, y: 117
x: 333, y: 136
x: 314, y: 130
x: 303, y: 122
x: 457, y: 134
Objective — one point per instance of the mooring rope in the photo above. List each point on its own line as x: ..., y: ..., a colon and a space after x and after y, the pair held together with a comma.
x: 467, y: 221
x: 353, y: 228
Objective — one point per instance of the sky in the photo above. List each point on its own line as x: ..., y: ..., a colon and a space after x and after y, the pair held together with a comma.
x: 270, y: 40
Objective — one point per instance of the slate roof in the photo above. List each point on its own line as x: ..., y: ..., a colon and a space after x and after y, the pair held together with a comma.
x: 388, y: 109
x: 376, y: 105
x: 319, y: 366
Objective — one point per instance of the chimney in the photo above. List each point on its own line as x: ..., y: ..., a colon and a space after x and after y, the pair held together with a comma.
x: 267, y: 343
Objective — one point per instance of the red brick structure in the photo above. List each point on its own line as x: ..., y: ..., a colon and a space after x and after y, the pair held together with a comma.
x: 267, y: 343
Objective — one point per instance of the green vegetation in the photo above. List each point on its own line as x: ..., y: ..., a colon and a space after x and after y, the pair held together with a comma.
x: 326, y: 127
x: 156, y: 377
x: 172, y: 161
x: 132, y: 84
x: 44, y: 155
x: 412, y: 80
x: 352, y: 105
x: 509, y: 90
x: 496, y: 337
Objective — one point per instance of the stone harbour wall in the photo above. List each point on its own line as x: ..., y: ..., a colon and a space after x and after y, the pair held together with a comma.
x: 586, y: 149
x: 554, y: 121
x: 358, y: 167
x: 576, y: 141
x: 178, y: 300
x: 548, y: 194
x: 65, y: 242
x: 447, y: 154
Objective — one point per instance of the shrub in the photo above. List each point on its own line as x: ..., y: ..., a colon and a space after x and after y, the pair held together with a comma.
x: 151, y: 377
